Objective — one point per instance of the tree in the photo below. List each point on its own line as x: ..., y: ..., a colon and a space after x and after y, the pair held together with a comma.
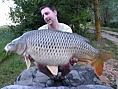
x: 71, y: 12
x: 108, y: 11
x: 97, y: 19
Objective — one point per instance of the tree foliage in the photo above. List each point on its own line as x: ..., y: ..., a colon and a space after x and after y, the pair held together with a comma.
x: 108, y: 11
x: 71, y: 12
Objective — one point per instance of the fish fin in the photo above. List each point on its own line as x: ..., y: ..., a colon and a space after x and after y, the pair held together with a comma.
x: 28, y: 63
x: 105, y: 55
x: 98, y: 66
x: 99, y: 63
x: 84, y: 60
x: 53, y: 69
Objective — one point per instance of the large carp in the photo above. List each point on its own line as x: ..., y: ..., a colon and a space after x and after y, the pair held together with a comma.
x: 55, y: 48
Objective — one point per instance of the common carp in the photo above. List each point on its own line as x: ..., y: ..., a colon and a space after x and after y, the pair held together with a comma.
x: 55, y: 48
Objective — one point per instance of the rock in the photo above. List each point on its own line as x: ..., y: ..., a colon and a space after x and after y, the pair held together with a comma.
x: 77, y: 76
x: 60, y: 87
x: 80, y: 78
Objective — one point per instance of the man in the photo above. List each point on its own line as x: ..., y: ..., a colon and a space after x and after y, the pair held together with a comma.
x: 49, y: 14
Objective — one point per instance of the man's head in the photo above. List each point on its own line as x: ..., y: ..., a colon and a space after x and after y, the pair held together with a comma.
x: 49, y: 14
x: 51, y: 7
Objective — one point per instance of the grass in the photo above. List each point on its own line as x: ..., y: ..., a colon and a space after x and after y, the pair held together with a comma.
x: 109, y: 29
x: 10, y: 69
x: 9, y: 63
x: 5, y: 37
x: 106, y: 45
x: 12, y: 65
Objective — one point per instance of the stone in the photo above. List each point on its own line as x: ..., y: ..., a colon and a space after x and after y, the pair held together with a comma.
x: 77, y: 76
x: 59, y: 87
x: 80, y: 78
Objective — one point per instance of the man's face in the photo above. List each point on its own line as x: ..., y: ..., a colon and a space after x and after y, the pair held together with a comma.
x: 49, y: 15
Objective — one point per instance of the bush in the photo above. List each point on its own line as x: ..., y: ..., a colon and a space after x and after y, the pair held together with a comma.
x: 113, y: 25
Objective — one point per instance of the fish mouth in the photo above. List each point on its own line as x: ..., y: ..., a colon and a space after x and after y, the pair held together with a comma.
x: 6, y: 49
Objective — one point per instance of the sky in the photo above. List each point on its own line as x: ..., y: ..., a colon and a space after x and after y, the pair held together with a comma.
x: 4, y: 10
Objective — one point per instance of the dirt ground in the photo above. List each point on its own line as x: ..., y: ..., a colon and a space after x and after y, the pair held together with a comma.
x: 110, y: 73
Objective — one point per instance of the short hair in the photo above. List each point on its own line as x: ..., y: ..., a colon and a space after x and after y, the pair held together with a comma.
x: 51, y: 7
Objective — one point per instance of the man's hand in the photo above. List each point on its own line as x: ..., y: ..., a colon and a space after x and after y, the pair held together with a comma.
x: 73, y: 61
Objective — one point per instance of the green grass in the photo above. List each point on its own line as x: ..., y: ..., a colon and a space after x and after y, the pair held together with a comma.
x: 104, y: 44
x: 10, y: 69
x: 5, y: 37
x: 9, y: 63
x: 107, y: 45
x: 12, y: 65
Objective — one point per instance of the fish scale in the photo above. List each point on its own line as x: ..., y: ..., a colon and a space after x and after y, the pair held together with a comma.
x: 55, y: 45
x: 56, y: 48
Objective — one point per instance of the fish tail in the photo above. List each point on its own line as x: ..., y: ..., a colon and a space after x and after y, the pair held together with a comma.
x: 99, y: 63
